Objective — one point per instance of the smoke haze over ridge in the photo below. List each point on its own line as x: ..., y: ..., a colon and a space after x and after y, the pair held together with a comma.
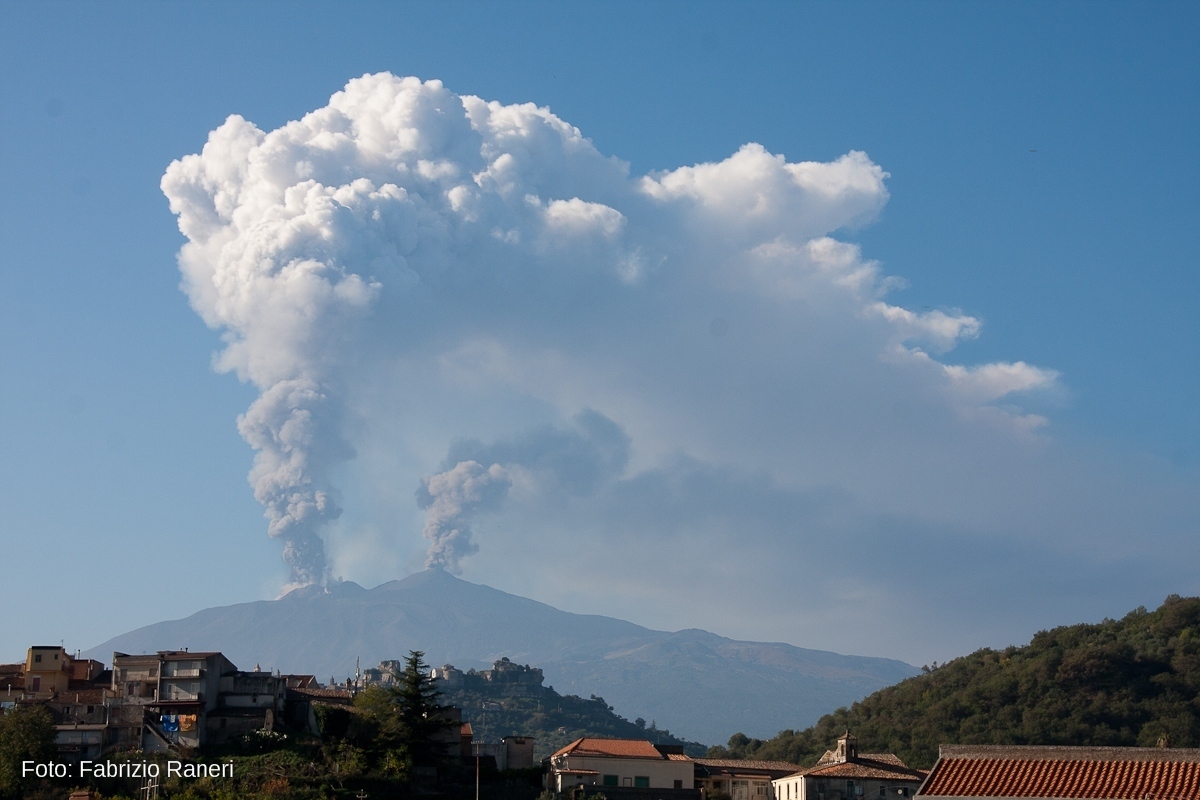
x: 701, y: 344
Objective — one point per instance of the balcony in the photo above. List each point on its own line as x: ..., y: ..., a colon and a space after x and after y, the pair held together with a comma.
x: 182, y: 673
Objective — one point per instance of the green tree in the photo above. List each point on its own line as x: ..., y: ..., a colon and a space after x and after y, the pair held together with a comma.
x: 26, y: 734
x: 1128, y: 682
x: 421, y: 719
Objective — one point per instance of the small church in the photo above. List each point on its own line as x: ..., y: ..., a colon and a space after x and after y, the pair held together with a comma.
x: 846, y: 774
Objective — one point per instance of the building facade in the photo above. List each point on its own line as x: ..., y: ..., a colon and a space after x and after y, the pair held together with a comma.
x: 618, y: 763
x: 740, y: 778
x: 180, y: 700
x: 846, y: 774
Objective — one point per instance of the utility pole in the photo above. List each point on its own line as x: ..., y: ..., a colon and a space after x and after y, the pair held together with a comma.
x: 476, y: 746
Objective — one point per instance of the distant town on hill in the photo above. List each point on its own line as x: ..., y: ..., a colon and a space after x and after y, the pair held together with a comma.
x: 509, y: 699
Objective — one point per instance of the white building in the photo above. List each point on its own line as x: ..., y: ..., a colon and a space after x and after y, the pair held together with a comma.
x: 846, y: 774
x: 633, y: 763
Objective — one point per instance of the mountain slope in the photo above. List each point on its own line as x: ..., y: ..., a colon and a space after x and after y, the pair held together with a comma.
x: 1118, y: 683
x: 700, y: 685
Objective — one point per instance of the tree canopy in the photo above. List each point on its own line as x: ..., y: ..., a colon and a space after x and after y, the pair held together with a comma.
x: 26, y: 734
x: 1132, y: 682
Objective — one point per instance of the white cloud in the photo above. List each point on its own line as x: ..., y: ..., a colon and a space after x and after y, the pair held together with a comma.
x: 406, y: 267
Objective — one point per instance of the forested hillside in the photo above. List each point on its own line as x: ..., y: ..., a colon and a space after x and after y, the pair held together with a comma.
x: 553, y: 719
x: 1129, y: 682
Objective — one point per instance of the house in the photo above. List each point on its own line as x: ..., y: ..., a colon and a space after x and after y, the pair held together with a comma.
x: 302, y: 694
x: 180, y: 700
x: 449, y: 738
x: 12, y: 681
x: 846, y: 774
x: 80, y: 722
x: 47, y: 670
x: 618, y: 764
x: 512, y: 752
x: 516, y: 752
x: 1133, y: 773
x: 70, y: 688
x: 740, y: 778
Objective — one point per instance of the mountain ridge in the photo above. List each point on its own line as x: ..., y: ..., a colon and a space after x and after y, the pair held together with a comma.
x: 760, y: 686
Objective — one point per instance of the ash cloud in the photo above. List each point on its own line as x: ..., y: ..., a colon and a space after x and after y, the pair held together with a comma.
x: 468, y: 251
x: 451, y: 499
x: 577, y: 460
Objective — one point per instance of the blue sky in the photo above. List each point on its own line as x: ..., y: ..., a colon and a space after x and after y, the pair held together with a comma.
x: 1042, y: 168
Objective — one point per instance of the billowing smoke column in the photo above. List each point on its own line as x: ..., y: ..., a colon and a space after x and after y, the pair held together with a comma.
x: 450, y: 499
x: 575, y: 460
x: 403, y: 224
x: 287, y: 425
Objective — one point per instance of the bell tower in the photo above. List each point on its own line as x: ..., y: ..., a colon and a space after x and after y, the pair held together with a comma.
x: 847, y: 748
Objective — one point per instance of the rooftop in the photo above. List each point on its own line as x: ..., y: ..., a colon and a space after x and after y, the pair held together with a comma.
x: 748, y: 763
x: 339, y: 694
x: 619, y: 748
x: 1091, y: 773
x: 866, y: 768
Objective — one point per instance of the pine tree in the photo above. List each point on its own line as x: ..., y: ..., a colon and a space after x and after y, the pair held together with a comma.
x: 421, y: 717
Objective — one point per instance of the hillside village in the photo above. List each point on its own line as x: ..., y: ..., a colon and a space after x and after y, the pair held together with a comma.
x: 496, y: 732
x: 194, y: 704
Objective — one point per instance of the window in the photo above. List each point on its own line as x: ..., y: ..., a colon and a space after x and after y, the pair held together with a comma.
x: 641, y: 781
x: 849, y: 788
x: 678, y: 784
x: 882, y: 791
x: 611, y: 780
x: 760, y: 789
x: 37, y: 659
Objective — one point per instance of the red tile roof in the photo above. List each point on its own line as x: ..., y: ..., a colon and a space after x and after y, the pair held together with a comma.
x: 748, y: 763
x: 91, y: 697
x: 323, y: 693
x: 618, y: 748
x: 867, y: 766
x: 1087, y: 773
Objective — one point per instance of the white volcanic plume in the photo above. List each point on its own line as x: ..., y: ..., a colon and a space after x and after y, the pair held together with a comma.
x: 404, y: 230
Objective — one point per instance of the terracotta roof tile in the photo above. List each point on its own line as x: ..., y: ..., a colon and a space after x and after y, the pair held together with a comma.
x: 1066, y: 772
x: 748, y: 763
x: 620, y: 748
x: 92, y: 697
x: 334, y: 694
x: 866, y: 768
